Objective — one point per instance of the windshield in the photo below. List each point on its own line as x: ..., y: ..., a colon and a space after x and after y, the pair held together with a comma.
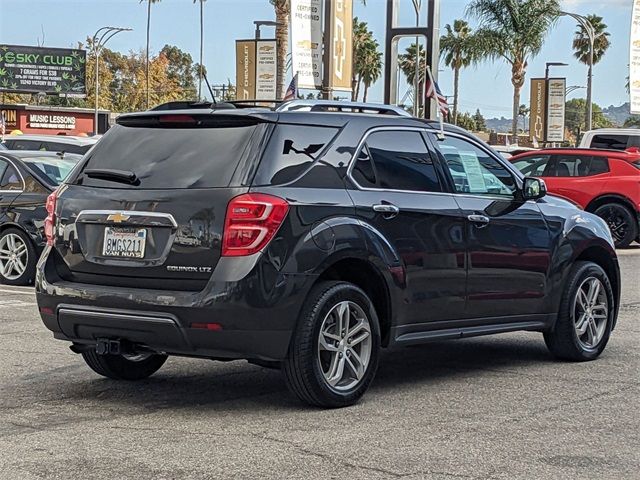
x: 54, y: 170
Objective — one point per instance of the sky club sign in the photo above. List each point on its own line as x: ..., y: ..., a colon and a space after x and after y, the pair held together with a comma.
x: 60, y: 71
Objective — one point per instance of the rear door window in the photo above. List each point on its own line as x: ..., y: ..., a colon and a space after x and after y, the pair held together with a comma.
x: 10, y: 179
x: 172, y: 158
x: 533, y: 166
x: 396, y: 160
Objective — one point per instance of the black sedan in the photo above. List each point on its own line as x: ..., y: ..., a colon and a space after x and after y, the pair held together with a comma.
x: 26, y: 179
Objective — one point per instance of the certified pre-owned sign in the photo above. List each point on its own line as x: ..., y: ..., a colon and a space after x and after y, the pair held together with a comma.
x: 59, y: 71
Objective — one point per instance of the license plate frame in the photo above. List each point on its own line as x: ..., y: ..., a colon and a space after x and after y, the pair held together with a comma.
x: 124, y: 242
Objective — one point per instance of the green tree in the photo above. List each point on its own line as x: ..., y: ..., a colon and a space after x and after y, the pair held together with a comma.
x: 632, y: 122
x: 457, y: 48
x: 367, y: 59
x: 181, y: 69
x: 480, y: 123
x: 407, y: 63
x: 575, y: 121
x: 466, y: 121
x: 582, y: 45
x: 513, y: 30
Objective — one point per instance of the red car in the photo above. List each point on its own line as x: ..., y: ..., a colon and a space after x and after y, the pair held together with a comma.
x: 604, y: 182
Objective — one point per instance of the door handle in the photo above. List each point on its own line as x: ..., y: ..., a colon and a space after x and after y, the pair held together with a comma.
x: 387, y: 209
x: 479, y: 220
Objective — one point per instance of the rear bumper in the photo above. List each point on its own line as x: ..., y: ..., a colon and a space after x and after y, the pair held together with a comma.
x: 256, y: 313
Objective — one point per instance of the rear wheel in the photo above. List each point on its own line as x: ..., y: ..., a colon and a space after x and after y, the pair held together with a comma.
x: 586, y: 314
x: 124, y: 367
x: 333, y: 354
x: 622, y: 223
x: 17, y: 258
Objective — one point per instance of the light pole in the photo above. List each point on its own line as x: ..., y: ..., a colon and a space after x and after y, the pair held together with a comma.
x: 266, y: 23
x: 100, y: 38
x: 416, y: 80
x: 591, y: 33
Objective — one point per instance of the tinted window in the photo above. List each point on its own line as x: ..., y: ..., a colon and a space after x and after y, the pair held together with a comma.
x: 401, y: 161
x: 533, y: 166
x: 10, y: 179
x: 63, y: 147
x: 615, y: 142
x: 291, y: 150
x: 24, y: 144
x: 576, y: 166
x: 364, y: 171
x: 54, y: 170
x: 199, y: 157
x: 474, y: 170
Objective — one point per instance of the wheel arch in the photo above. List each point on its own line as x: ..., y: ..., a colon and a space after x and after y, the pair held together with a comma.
x: 605, y: 198
x: 368, y: 276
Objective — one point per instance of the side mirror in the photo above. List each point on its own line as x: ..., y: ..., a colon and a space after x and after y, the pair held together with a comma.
x: 533, y: 188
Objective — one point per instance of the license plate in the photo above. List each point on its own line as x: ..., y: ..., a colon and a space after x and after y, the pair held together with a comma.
x: 124, y: 242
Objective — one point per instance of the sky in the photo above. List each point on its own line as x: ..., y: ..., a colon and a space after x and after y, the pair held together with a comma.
x: 62, y: 23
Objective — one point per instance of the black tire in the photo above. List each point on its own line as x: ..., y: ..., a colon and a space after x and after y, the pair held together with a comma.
x: 118, y: 367
x: 562, y: 340
x: 302, y: 370
x: 622, y: 222
x: 28, y: 275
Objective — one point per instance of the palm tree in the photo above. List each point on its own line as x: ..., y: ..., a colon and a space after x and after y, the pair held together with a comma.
x: 146, y: 67
x: 457, y: 49
x: 371, y: 67
x: 513, y: 30
x: 282, y: 9
x: 407, y: 63
x: 200, y: 67
x: 582, y: 47
x: 361, y: 36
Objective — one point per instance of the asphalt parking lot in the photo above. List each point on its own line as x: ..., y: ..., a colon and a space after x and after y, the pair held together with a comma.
x: 495, y: 407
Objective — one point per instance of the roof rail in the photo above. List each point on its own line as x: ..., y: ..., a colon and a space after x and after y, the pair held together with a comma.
x: 338, y: 106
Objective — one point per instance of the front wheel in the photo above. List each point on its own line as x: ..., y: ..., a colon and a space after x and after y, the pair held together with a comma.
x: 124, y: 367
x: 586, y: 315
x: 333, y: 355
x: 622, y: 223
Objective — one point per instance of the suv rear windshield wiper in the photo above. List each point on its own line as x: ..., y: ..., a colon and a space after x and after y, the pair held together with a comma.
x: 122, y: 176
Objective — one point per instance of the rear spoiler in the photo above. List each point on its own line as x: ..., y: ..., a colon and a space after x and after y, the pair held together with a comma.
x: 192, y: 119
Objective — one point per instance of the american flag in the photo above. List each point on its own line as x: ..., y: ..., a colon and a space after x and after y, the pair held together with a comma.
x: 292, y: 90
x: 437, y: 95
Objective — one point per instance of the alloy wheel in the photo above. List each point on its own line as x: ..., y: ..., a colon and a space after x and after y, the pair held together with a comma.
x: 14, y: 256
x: 590, y: 312
x: 344, y: 346
x: 617, y: 223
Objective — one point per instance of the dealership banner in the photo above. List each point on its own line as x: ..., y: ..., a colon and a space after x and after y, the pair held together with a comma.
x: 341, y: 45
x: 266, y: 70
x: 60, y: 71
x: 556, y: 98
x: 306, y: 42
x: 634, y: 59
x: 538, y: 105
x: 245, y: 69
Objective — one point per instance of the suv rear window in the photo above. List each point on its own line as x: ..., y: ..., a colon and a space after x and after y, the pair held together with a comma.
x: 177, y: 157
x: 612, y: 142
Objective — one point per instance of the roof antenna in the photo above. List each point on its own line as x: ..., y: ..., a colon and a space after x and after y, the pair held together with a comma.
x: 213, y: 97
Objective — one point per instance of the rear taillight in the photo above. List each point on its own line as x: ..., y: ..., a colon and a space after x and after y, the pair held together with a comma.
x: 251, y: 222
x: 50, y: 221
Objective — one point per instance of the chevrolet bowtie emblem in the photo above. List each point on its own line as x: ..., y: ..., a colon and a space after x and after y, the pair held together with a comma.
x: 118, y: 217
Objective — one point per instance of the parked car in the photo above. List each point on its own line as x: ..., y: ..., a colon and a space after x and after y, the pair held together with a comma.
x: 50, y: 143
x: 322, y: 237
x: 604, y: 182
x: 508, y: 151
x: 26, y: 179
x: 611, y: 138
